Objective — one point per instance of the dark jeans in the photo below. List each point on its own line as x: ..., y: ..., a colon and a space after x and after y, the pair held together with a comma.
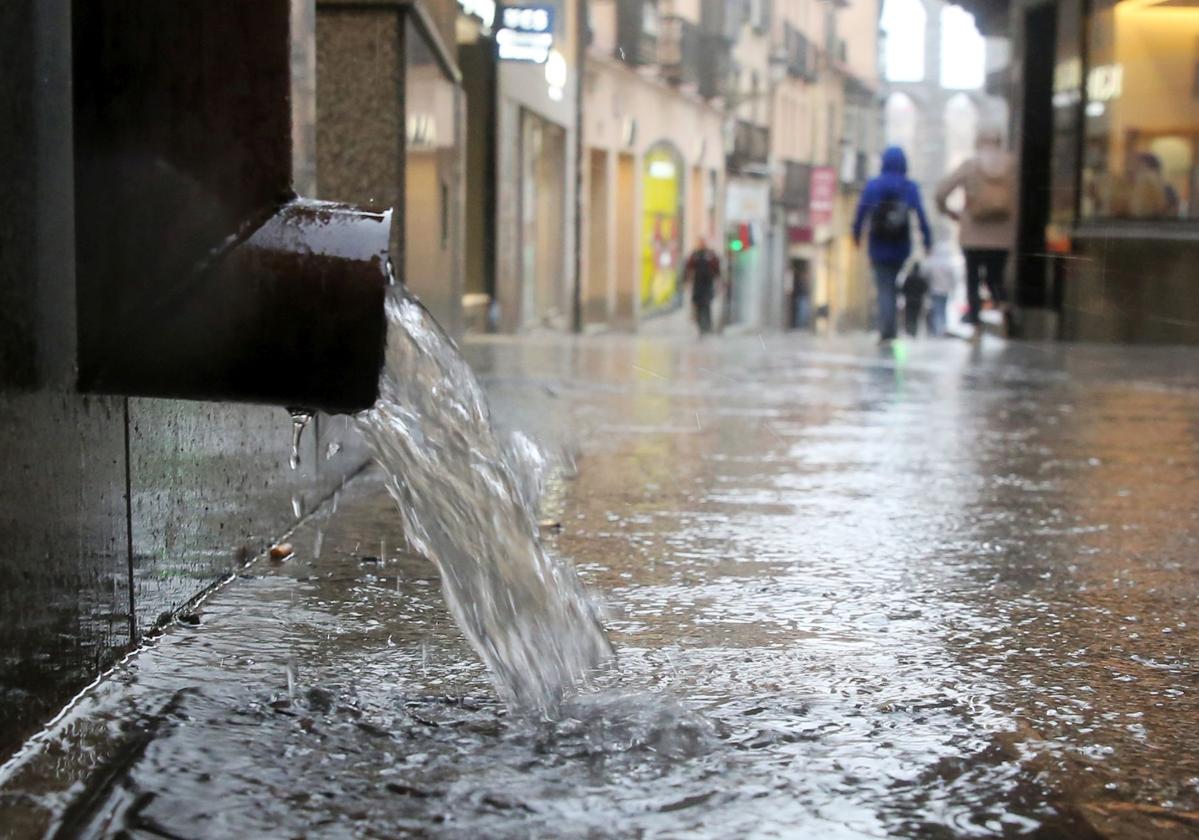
x: 937, y: 314
x: 801, y: 318
x: 912, y: 306
x: 703, y: 316
x: 885, y: 275
x: 984, y: 264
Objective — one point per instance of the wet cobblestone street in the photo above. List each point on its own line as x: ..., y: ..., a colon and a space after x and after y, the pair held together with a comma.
x: 932, y: 590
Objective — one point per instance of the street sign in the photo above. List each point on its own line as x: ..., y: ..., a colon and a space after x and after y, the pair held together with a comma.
x: 526, y: 33
x: 823, y: 196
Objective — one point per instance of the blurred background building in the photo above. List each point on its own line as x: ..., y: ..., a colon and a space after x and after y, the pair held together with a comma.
x: 751, y: 124
x: 754, y: 123
x: 653, y: 132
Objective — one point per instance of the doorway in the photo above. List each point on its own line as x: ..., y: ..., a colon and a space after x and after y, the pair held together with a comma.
x: 626, y: 231
x: 1036, y: 154
x: 543, y: 232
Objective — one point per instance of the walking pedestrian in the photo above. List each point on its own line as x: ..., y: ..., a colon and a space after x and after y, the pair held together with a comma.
x: 915, y: 286
x: 886, y: 207
x: 987, y: 224
x: 944, y: 272
x: 801, y: 295
x: 703, y: 275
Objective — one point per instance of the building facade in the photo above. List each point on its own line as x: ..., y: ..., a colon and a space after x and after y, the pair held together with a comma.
x: 825, y: 137
x: 736, y: 122
x: 653, y: 172
x: 748, y: 124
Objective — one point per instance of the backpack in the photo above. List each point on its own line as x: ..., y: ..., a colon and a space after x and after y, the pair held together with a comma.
x: 990, y: 199
x: 915, y: 285
x: 889, y: 220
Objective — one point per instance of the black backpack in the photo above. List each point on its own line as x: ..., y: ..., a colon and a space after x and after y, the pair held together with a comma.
x: 889, y: 221
x: 915, y: 285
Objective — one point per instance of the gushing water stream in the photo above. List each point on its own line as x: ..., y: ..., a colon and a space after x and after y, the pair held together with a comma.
x: 468, y: 503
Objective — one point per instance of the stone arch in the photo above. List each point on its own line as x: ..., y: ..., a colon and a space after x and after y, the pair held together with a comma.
x: 961, y: 118
x: 905, y: 27
x: 961, y: 50
x: 901, y: 121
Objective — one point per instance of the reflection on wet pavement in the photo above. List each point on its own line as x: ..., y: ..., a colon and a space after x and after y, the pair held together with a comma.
x: 944, y: 593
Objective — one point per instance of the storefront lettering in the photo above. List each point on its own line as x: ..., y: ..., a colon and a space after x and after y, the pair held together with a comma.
x: 526, y: 33
x: 1105, y: 83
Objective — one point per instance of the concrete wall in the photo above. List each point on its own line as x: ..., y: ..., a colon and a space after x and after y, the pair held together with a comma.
x: 1131, y: 285
x: 114, y: 511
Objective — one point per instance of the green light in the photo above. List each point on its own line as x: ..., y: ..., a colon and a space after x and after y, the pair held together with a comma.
x: 736, y: 245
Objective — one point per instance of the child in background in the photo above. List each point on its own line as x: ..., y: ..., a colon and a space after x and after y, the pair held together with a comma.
x: 945, y: 270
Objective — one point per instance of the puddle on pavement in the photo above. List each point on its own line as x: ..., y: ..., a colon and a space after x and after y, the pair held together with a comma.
x: 946, y: 597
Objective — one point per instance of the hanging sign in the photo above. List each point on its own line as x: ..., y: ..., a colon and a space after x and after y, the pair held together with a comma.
x: 823, y: 196
x: 526, y: 33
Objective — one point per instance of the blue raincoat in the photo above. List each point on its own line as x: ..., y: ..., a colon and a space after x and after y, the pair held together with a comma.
x: 892, y: 181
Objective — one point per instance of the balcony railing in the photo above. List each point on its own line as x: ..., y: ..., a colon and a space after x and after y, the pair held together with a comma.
x: 855, y: 168
x: 680, y: 51
x: 751, y: 147
x: 723, y: 18
x: 799, y: 54
x: 637, y: 31
x: 796, y: 189
x: 761, y: 13
x: 715, y: 66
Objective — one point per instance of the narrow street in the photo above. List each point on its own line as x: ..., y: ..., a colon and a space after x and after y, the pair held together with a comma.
x: 936, y: 589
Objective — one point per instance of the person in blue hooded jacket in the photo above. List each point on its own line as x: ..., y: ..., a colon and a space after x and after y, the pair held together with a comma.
x: 885, y: 208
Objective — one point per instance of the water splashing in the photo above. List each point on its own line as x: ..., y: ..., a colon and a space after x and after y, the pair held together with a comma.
x: 299, y: 421
x: 468, y: 503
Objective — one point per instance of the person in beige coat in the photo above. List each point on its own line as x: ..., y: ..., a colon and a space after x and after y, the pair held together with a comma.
x: 987, y: 224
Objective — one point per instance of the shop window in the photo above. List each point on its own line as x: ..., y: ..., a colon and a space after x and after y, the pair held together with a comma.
x: 1141, y: 111
x: 430, y: 156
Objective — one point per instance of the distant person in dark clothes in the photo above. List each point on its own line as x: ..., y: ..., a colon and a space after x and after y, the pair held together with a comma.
x: 703, y: 275
x: 885, y: 208
x: 915, y: 287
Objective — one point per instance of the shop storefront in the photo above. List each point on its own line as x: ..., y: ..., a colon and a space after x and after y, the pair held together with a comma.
x: 747, y: 214
x: 661, y: 234
x: 1121, y: 181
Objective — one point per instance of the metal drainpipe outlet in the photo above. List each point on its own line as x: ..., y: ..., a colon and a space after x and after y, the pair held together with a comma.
x: 199, y: 273
x: 290, y: 315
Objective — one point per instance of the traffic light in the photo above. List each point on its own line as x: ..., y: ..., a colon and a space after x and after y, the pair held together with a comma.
x: 741, y: 237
